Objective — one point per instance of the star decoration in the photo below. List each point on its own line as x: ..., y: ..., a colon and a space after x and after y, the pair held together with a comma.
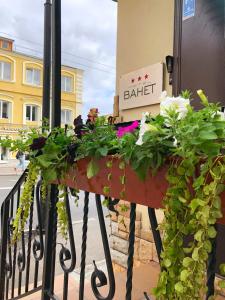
x: 146, y: 76
x: 139, y: 78
x: 132, y: 80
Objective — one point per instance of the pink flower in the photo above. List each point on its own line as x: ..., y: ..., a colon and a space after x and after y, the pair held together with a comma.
x: 128, y: 129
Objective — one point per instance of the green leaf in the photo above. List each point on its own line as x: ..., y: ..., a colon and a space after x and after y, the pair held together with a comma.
x: 187, y: 261
x: 195, y: 254
x: 49, y: 175
x: 217, y: 202
x: 122, y: 179
x: 198, y: 235
x: 122, y: 165
x: 103, y: 151
x: 179, y: 287
x: 122, y: 195
x: 43, y: 160
x: 92, y: 169
x: 206, y: 135
x: 222, y: 269
x: 106, y: 190
x: 221, y: 284
x: 167, y: 263
x: 212, y: 232
x: 195, y: 203
x: 184, y: 275
x: 109, y: 164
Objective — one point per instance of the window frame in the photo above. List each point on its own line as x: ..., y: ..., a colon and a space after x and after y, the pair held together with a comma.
x: 1, y: 109
x: 6, y: 43
x: 64, y: 84
x: 65, y: 111
x: 31, y: 106
x: 32, y: 82
x: 2, y: 69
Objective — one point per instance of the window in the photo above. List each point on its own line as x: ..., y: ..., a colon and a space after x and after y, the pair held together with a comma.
x: 66, y: 116
x: 5, y: 45
x: 33, y: 76
x: 31, y: 112
x: 66, y: 84
x: 5, y: 70
x: 4, y: 109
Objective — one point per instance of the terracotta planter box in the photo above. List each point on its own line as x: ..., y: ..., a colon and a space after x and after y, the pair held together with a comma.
x: 149, y: 192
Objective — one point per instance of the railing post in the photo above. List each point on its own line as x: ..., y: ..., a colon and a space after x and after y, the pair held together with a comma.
x: 50, y: 246
x: 51, y: 226
x: 4, y: 244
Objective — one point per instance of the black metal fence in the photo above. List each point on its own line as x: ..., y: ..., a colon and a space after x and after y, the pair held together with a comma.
x: 27, y: 266
x: 21, y: 262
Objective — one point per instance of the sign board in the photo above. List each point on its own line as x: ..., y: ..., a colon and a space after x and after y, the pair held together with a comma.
x: 188, y: 9
x: 141, y: 88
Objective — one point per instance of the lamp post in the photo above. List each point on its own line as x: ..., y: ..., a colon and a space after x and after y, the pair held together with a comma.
x: 47, y: 63
x: 51, y: 221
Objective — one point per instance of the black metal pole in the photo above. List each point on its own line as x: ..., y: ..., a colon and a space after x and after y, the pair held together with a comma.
x: 51, y: 224
x: 47, y: 64
x: 56, y: 63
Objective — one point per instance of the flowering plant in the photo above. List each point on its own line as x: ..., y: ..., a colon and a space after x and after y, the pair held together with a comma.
x: 191, y: 142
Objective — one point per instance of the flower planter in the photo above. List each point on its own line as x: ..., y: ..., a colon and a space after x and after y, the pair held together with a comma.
x: 149, y: 192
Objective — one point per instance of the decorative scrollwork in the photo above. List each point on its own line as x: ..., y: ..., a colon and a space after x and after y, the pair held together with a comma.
x: 65, y: 254
x: 98, y: 274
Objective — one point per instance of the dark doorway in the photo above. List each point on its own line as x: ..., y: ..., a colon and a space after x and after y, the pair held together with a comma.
x: 199, y: 48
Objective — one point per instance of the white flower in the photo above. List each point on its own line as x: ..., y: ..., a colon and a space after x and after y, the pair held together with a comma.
x: 175, y: 142
x: 144, y: 128
x: 221, y: 114
x: 177, y: 104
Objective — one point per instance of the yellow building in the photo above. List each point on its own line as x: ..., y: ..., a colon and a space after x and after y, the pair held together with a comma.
x: 21, y: 78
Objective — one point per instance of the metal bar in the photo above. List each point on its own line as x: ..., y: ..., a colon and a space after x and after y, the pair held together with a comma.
x: 155, y: 231
x: 56, y: 63
x: 29, y: 247
x: 50, y: 239
x: 84, y: 246
x: 4, y: 240
x: 36, y: 273
x: 130, y: 261
x: 15, y: 250
x: 47, y: 63
x: 65, y: 286
x: 211, y: 269
x: 19, y: 283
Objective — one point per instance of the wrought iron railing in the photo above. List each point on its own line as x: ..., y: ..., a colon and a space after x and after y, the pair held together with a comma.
x: 27, y: 266
x: 20, y: 262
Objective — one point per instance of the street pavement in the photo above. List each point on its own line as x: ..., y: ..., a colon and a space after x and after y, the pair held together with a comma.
x: 94, y: 243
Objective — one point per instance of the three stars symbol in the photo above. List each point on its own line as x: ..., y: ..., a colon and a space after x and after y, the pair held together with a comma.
x: 140, y: 78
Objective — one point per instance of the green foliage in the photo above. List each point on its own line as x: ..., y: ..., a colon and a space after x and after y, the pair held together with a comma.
x: 192, y: 204
x: 192, y: 146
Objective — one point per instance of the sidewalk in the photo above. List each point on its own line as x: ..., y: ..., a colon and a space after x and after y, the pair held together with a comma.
x: 8, y: 168
x: 145, y: 278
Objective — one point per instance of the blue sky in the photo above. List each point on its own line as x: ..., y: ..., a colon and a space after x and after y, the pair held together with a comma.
x: 88, y: 41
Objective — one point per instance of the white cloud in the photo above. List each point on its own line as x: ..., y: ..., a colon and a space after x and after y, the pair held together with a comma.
x: 88, y: 30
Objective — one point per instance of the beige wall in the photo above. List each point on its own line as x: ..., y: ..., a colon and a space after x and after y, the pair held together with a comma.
x: 145, y: 37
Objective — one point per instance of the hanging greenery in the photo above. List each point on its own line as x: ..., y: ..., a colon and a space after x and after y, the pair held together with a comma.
x: 191, y: 142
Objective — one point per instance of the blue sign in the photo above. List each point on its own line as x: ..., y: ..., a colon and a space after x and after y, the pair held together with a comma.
x: 188, y: 9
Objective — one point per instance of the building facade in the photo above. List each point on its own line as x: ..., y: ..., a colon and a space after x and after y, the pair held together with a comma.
x: 21, y: 81
x: 191, y: 34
